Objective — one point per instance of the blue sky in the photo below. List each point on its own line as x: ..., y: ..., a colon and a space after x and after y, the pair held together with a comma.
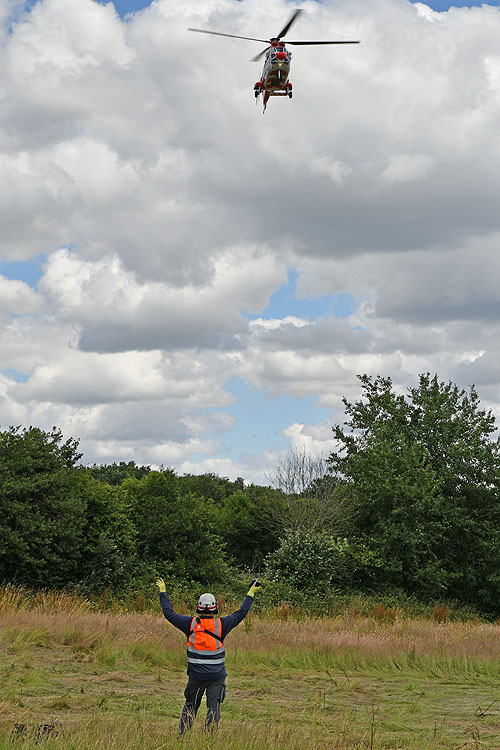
x: 286, y: 301
x: 129, y: 6
x: 261, y: 418
x: 123, y: 7
x: 29, y: 271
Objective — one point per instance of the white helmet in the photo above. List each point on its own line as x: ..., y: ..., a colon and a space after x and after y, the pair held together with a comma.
x: 207, y: 604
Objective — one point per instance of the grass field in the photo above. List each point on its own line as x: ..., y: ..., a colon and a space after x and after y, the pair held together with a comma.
x: 116, y: 681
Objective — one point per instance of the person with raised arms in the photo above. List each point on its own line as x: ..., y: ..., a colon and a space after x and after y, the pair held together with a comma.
x: 206, y: 654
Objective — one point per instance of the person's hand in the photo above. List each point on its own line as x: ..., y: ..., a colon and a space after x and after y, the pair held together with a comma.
x: 161, y: 585
x: 254, y: 587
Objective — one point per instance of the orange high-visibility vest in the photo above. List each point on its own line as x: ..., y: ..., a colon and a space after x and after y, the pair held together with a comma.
x: 203, y: 648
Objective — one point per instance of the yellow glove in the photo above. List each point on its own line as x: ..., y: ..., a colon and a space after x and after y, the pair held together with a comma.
x: 254, y: 587
x: 161, y: 585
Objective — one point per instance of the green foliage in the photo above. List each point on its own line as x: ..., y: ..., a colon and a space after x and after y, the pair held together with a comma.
x: 177, y: 534
x: 424, y: 476
x: 248, y: 527
x: 115, y: 473
x: 42, y: 507
x: 317, y: 562
x: 209, y: 486
x: 108, y: 546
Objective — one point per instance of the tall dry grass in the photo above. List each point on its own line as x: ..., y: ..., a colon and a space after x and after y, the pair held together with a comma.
x: 347, y: 641
x: 17, y: 598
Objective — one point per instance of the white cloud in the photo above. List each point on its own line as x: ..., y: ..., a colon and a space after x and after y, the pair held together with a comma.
x: 272, y: 324
x: 314, y: 440
x: 117, y: 312
x: 337, y: 171
x: 18, y: 298
x: 132, y: 155
x: 407, y: 167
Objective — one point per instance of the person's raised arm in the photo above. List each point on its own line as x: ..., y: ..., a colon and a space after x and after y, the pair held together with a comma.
x: 182, y: 622
x: 230, y: 622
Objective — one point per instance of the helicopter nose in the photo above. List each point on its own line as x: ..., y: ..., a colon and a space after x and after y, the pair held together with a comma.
x: 280, y: 55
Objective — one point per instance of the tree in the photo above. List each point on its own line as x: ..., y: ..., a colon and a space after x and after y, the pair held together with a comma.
x: 424, y: 477
x: 42, y: 506
x: 177, y: 534
x: 108, y: 556
x: 245, y: 527
x: 209, y: 485
x: 312, y: 499
x: 115, y: 473
x: 315, y: 562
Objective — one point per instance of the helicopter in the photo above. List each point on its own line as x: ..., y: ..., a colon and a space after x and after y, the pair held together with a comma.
x: 274, y: 79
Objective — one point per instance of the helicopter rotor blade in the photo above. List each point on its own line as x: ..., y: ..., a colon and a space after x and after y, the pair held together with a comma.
x: 233, y: 36
x: 287, y: 28
x: 357, y: 42
x: 261, y: 54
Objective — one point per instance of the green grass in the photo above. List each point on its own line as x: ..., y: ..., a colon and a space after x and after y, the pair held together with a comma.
x: 117, y: 681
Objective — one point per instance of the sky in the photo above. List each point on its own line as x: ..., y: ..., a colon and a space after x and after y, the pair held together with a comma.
x: 186, y: 282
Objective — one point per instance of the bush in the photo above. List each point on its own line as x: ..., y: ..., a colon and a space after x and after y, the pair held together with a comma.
x: 316, y: 562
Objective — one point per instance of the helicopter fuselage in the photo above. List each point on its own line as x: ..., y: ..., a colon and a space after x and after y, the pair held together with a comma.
x: 276, y: 70
x: 274, y: 80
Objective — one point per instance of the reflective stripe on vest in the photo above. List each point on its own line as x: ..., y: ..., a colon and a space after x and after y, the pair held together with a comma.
x: 203, y: 648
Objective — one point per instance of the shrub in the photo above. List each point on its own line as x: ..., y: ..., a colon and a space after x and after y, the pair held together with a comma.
x: 315, y: 562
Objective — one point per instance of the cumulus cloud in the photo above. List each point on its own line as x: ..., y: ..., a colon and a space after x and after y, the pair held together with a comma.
x: 406, y: 167
x: 313, y: 440
x: 117, y: 312
x: 18, y: 298
x: 131, y: 154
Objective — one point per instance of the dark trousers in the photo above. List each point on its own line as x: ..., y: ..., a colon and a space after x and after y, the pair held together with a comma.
x: 216, y: 692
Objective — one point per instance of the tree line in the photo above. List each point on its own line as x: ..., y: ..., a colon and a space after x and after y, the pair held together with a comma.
x: 406, y: 503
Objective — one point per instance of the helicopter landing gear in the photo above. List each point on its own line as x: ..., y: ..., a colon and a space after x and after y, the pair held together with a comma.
x: 257, y: 89
x: 289, y: 91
